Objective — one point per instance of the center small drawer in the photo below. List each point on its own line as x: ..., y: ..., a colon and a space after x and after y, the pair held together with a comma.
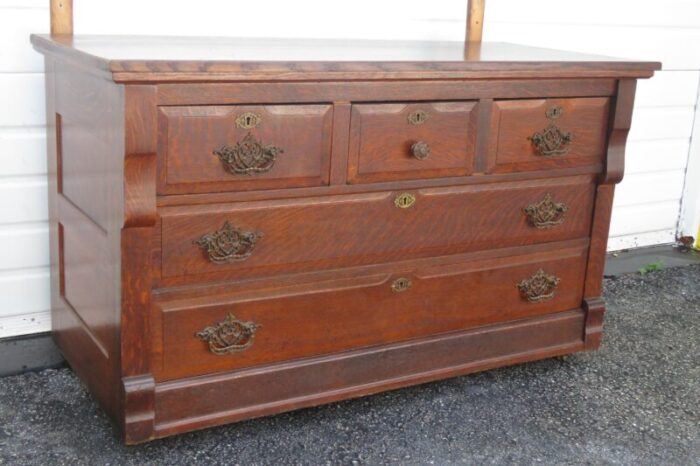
x: 399, y: 141
x: 252, y: 327
x: 287, y: 236
x: 242, y: 147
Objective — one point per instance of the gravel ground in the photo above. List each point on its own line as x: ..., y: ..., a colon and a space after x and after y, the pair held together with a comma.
x: 636, y: 402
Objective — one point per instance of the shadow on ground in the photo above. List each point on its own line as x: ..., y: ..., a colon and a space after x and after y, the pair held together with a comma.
x: 636, y: 401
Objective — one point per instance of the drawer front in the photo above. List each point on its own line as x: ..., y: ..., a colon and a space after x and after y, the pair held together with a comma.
x: 401, y: 141
x: 264, y: 326
x: 266, y: 237
x: 239, y: 147
x: 547, y: 133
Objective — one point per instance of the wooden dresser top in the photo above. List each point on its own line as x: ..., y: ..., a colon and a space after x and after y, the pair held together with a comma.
x: 153, y: 58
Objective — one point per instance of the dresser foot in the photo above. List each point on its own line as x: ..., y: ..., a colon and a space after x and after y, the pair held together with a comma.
x: 139, y: 408
x: 593, y: 330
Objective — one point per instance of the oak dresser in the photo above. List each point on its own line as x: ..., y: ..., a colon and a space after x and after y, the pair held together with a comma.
x: 245, y: 227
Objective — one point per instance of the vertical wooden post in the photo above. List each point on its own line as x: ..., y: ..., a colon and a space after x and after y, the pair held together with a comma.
x: 475, y: 20
x: 61, y: 17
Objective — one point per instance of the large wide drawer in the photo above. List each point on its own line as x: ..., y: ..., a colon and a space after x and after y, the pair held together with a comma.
x: 253, y: 327
x: 293, y: 235
x: 243, y: 147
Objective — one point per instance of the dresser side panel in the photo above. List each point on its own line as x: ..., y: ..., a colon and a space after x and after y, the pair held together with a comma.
x: 85, y: 147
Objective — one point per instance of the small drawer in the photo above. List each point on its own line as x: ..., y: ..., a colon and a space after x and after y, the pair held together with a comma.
x: 243, y: 147
x: 542, y: 134
x: 252, y: 327
x: 287, y: 236
x: 400, y: 141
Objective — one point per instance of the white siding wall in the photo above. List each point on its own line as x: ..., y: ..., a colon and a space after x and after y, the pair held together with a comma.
x: 648, y: 203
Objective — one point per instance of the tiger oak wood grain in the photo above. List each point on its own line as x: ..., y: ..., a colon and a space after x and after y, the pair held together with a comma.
x: 382, y: 139
x: 133, y: 182
x: 337, y: 316
x: 340, y: 231
x: 514, y: 122
x: 189, y: 136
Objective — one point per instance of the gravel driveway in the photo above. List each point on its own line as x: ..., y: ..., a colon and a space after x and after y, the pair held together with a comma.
x: 635, y: 402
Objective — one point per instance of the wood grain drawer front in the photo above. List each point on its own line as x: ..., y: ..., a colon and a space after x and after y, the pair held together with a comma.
x: 547, y: 133
x: 242, y: 147
x: 398, y: 141
x: 266, y: 237
x: 263, y: 326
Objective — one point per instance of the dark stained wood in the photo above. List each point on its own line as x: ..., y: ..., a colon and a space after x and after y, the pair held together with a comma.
x: 296, y: 321
x: 374, y: 91
x: 620, y: 122
x: 84, y: 228
x: 309, y: 234
x: 381, y: 140
x: 514, y: 122
x: 397, y: 185
x: 133, y: 182
x: 152, y: 58
x: 341, y: 123
x: 190, y: 135
x: 188, y: 404
x: 138, y: 386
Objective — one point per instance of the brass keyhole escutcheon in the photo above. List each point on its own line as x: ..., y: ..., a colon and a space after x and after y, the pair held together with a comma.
x: 554, y: 112
x: 401, y: 284
x: 248, y: 120
x: 418, y: 117
x: 404, y: 200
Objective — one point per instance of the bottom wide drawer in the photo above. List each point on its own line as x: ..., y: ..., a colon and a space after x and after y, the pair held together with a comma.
x: 253, y: 327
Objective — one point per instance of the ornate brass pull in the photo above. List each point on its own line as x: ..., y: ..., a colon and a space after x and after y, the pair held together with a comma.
x: 404, y: 200
x: 228, y: 244
x: 401, y: 284
x: 229, y: 336
x: 539, y: 287
x: 420, y: 150
x: 248, y: 157
x: 552, y: 141
x: 546, y: 213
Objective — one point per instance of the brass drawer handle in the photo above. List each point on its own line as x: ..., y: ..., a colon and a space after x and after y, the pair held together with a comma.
x: 539, y: 287
x: 546, y: 213
x: 552, y: 141
x: 228, y: 244
x: 229, y: 336
x: 401, y: 284
x: 248, y: 157
x: 420, y: 150
x: 404, y: 200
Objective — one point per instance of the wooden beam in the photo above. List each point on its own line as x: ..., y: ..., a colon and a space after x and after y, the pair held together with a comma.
x: 61, y: 17
x: 475, y: 20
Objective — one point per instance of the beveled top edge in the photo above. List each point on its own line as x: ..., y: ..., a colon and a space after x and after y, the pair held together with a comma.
x: 157, y: 58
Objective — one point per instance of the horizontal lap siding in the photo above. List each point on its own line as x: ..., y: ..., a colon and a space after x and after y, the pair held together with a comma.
x: 647, y: 203
x: 24, y: 245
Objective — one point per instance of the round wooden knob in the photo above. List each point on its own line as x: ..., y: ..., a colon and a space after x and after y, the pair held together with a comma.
x: 420, y: 150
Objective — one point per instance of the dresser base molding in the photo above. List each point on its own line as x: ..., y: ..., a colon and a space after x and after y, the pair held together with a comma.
x: 206, y: 401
